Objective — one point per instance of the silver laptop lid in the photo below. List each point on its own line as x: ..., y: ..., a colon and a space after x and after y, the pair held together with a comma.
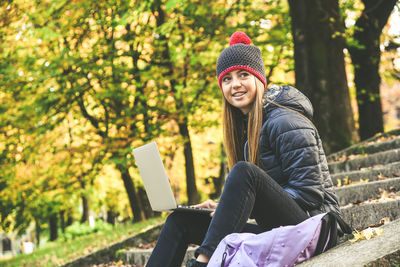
x: 154, y: 177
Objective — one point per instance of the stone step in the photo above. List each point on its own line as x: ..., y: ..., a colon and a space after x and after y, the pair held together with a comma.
x: 365, y: 148
x: 369, y: 144
x: 381, y: 158
x: 389, y: 170
x: 361, y: 192
x: 367, y: 214
x: 110, y: 253
x: 383, y: 250
x: 139, y: 257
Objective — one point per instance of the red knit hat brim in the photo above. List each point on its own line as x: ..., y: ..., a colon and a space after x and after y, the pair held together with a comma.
x: 246, y: 68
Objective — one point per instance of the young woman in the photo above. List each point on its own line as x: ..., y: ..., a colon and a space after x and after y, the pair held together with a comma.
x: 278, y: 171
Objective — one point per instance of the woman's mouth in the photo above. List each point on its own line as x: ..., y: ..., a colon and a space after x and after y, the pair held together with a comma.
x: 239, y: 94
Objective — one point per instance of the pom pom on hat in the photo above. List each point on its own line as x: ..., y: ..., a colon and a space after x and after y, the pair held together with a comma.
x: 239, y: 38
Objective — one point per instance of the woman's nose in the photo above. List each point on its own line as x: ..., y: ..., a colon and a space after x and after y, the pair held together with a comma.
x: 235, y: 82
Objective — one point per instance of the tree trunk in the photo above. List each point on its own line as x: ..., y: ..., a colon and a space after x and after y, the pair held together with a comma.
x: 220, y: 180
x: 53, y: 221
x: 366, y: 55
x: 148, y: 211
x: 191, y: 188
x: 85, y: 209
x: 70, y: 219
x: 38, y: 230
x: 134, y: 200
x: 222, y: 172
x: 62, y: 220
x: 320, y: 69
x: 111, y: 215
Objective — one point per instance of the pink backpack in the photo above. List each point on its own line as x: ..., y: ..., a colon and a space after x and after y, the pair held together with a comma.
x: 283, y: 246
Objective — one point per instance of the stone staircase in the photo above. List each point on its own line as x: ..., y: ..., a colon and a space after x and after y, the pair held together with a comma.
x: 369, y: 175
x: 372, y: 171
x: 367, y: 180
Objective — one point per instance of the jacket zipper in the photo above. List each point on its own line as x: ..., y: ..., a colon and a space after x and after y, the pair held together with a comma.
x: 225, y: 254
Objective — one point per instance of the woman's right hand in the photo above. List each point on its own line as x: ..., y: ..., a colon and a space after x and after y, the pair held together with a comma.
x: 208, y: 204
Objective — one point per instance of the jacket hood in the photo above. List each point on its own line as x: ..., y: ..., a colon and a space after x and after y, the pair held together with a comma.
x: 289, y: 97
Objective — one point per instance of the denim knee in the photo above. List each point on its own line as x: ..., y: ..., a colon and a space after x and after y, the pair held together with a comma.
x: 239, y: 173
x: 176, y: 219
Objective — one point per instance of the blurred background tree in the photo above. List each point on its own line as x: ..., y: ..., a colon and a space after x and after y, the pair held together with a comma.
x: 318, y: 36
x: 365, y: 51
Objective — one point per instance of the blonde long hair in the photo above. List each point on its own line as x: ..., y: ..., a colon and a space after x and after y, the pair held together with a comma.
x: 233, y: 128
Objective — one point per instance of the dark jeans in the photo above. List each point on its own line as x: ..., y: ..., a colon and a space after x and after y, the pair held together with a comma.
x: 248, y: 191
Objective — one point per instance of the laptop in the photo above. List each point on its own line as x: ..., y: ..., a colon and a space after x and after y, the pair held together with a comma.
x: 155, y: 180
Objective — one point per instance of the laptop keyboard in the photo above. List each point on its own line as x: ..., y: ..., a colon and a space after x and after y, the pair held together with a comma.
x: 195, y: 208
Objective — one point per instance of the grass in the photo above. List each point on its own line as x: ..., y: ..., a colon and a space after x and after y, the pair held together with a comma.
x: 60, y: 251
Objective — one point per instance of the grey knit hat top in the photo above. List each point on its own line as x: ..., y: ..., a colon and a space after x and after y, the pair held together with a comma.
x: 241, y: 55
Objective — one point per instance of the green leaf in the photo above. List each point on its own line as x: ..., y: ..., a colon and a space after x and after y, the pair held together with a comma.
x: 170, y: 4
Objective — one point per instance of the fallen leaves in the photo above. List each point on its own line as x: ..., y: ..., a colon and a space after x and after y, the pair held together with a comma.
x: 88, y: 250
x: 371, y: 167
x: 382, y: 222
x: 147, y: 245
x: 114, y: 264
x: 366, y: 234
x: 381, y: 139
x: 370, y: 232
x: 360, y: 150
x: 347, y: 181
x: 380, y: 177
x: 344, y: 158
x: 391, y: 193
x: 383, y: 196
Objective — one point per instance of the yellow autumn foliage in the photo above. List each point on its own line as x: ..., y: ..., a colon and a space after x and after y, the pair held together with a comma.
x: 366, y: 234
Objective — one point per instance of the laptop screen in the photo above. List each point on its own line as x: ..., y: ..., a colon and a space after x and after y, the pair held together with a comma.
x: 154, y: 177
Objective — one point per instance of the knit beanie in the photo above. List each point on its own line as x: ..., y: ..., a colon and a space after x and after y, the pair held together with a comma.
x: 241, y: 55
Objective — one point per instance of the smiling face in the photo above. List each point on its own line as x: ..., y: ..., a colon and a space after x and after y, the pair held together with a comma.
x: 239, y: 89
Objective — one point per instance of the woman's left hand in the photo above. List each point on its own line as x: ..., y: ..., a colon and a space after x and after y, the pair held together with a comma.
x: 208, y: 204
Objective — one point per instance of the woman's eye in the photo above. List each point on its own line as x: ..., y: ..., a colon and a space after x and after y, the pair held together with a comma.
x: 244, y: 74
x: 225, y: 79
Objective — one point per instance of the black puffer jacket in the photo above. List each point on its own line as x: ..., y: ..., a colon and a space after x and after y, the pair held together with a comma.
x: 291, y: 151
